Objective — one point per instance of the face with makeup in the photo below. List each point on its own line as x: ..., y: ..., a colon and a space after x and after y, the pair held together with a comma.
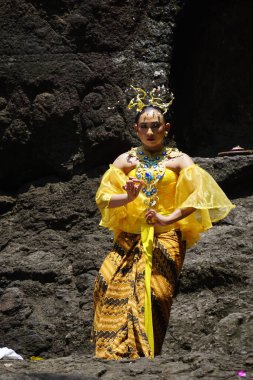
x: 151, y: 128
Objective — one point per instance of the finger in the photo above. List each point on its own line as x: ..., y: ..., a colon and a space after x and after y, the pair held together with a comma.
x: 129, y: 185
x: 135, y: 179
x: 131, y: 180
x: 150, y: 214
x: 150, y: 220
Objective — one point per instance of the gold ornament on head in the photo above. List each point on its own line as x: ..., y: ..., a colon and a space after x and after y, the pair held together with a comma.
x: 142, y: 100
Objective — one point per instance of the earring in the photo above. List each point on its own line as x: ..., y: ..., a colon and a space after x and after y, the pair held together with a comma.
x: 166, y: 133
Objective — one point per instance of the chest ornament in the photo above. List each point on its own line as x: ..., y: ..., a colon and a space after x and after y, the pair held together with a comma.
x: 150, y: 169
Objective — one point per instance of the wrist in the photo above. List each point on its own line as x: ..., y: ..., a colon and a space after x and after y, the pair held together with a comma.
x: 129, y: 199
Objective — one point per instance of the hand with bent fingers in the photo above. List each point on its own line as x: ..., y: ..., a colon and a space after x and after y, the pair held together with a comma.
x: 132, y: 187
x: 155, y: 219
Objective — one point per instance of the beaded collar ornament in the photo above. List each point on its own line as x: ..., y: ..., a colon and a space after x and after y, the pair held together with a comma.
x: 150, y: 169
x: 143, y: 99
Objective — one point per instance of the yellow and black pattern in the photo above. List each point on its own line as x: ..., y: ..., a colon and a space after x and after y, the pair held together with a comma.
x: 119, y: 295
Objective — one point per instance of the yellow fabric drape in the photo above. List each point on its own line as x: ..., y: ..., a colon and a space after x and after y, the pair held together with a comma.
x: 193, y: 187
x: 197, y: 188
x: 147, y: 237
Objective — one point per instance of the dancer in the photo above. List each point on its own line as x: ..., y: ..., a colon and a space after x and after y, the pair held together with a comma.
x: 157, y: 202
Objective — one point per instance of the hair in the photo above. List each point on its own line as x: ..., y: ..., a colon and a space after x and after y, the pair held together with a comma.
x: 165, y: 115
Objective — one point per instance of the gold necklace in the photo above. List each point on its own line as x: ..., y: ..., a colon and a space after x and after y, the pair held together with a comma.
x: 150, y: 170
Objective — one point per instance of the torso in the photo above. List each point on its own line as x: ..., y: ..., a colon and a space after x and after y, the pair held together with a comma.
x: 127, y: 163
x: 169, y: 164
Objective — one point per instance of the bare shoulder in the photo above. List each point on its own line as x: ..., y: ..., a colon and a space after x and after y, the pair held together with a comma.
x: 182, y: 161
x: 125, y: 162
x: 185, y: 161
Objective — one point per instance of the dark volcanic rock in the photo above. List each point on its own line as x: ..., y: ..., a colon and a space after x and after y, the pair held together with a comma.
x: 85, y: 367
x: 52, y: 249
x: 64, y: 69
x: 45, y: 376
x: 50, y: 231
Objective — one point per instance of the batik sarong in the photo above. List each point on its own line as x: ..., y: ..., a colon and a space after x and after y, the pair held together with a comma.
x: 119, y: 295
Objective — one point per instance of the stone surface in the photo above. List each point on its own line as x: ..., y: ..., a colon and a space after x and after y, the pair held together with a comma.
x: 64, y: 69
x: 84, y: 367
x: 51, y: 249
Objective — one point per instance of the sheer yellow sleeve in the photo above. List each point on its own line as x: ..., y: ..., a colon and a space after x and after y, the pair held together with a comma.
x: 111, y: 183
x: 196, y: 188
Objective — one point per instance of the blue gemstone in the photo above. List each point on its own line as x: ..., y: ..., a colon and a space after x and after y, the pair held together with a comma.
x: 148, y: 193
x: 139, y: 176
x: 144, y: 190
x: 140, y: 152
x: 164, y: 153
x: 148, y: 176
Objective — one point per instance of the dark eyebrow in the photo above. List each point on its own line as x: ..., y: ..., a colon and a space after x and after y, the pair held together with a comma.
x: 153, y: 122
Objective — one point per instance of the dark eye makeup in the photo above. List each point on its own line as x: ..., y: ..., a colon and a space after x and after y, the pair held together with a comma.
x: 152, y: 126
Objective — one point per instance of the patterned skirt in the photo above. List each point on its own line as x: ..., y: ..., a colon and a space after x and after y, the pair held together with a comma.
x: 119, y: 295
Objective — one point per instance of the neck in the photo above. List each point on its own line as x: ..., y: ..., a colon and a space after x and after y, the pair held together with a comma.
x: 154, y: 149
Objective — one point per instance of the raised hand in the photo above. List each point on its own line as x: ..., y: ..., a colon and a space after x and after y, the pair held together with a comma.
x: 132, y: 187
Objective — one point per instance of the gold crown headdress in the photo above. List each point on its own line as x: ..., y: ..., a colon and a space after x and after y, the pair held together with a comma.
x: 142, y: 99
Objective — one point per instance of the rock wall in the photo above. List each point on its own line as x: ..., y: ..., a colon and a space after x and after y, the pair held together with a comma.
x: 51, y: 249
x: 64, y: 69
x: 65, y: 66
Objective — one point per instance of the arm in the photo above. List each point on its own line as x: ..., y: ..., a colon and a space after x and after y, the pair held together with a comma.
x: 153, y: 218
x: 132, y: 186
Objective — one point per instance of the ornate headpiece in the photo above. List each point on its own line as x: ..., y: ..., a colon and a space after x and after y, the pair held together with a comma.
x: 142, y: 99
